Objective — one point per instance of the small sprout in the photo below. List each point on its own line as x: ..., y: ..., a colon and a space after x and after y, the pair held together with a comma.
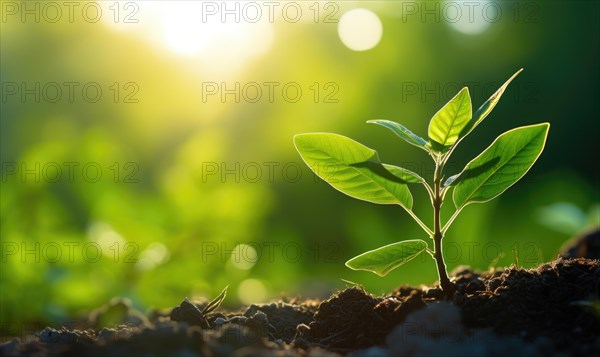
x: 216, y: 302
x: 190, y: 313
x: 350, y: 283
x: 359, y: 173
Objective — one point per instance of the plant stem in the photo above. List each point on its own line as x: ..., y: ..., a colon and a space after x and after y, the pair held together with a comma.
x: 454, y: 215
x: 423, y: 225
x: 445, y: 283
x: 429, y: 191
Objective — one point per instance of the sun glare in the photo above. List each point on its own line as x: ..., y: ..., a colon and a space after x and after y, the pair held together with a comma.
x: 184, y: 35
x: 185, y: 29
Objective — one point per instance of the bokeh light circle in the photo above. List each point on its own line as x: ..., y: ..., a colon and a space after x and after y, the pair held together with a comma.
x: 360, y: 29
x: 472, y: 20
x: 251, y: 291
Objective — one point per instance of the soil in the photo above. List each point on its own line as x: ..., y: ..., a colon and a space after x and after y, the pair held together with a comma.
x: 553, y: 309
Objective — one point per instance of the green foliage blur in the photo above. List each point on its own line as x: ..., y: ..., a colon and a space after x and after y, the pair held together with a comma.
x: 175, y: 184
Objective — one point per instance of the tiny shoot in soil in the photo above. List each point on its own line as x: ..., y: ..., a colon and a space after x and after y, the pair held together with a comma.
x: 357, y: 171
x: 216, y: 302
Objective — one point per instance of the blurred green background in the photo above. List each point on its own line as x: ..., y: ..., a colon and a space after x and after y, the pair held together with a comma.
x: 154, y: 159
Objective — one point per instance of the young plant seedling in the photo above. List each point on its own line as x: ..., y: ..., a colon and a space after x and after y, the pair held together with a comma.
x: 357, y: 171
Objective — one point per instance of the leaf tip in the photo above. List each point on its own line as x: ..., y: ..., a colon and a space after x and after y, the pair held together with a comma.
x: 377, y: 121
x: 547, y: 130
x: 295, y: 139
x: 512, y: 77
x: 299, y: 137
x: 544, y: 126
x: 348, y: 264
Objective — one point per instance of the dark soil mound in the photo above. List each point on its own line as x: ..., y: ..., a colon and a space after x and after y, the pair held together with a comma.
x: 354, y: 319
x: 553, y: 308
x: 284, y: 318
x: 555, y: 300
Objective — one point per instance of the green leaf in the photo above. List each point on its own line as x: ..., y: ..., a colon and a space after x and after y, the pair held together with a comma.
x: 387, y: 258
x: 447, y: 124
x: 502, y: 164
x: 404, y: 174
x: 487, y: 107
x: 402, y: 132
x: 352, y: 168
